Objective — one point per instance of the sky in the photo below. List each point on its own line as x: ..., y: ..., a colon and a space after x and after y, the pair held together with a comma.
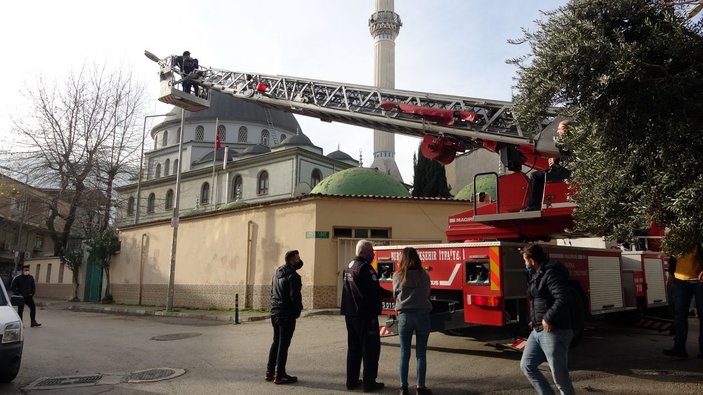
x: 456, y: 47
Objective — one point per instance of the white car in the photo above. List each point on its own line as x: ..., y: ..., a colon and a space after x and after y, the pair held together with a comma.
x: 11, y: 337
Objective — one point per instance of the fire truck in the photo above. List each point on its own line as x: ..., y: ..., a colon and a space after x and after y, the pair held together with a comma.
x: 478, y: 278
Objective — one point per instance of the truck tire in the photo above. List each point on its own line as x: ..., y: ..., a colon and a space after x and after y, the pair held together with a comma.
x: 578, y: 314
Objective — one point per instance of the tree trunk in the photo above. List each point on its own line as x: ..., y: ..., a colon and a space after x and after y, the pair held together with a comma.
x: 75, y: 286
x: 108, y: 294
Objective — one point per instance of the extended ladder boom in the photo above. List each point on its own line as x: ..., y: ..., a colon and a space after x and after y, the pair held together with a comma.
x: 466, y: 122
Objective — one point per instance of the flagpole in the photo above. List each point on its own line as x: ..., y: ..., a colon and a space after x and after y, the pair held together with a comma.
x: 214, y: 156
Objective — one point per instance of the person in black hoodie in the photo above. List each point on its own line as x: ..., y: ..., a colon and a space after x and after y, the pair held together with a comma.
x: 23, y: 284
x: 286, y: 305
x: 548, y: 293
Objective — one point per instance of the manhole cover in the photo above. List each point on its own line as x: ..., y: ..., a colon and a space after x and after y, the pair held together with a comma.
x: 157, y: 374
x: 175, y: 336
x: 65, y: 381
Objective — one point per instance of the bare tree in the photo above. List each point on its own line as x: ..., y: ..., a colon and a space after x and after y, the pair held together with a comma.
x: 79, y: 136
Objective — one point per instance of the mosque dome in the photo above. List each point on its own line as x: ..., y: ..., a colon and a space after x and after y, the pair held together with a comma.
x: 228, y: 108
x: 486, y: 184
x: 256, y: 149
x: 219, y: 155
x: 360, y: 181
x: 340, y: 155
x: 298, y: 140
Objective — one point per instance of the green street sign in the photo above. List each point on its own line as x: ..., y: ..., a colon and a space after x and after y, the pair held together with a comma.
x: 318, y: 234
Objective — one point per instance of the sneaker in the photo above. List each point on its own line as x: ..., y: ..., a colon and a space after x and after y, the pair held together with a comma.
x: 375, y: 386
x: 284, y: 379
x: 268, y: 376
x: 35, y: 324
x: 424, y: 391
x: 404, y: 391
x: 674, y: 352
x: 354, y: 385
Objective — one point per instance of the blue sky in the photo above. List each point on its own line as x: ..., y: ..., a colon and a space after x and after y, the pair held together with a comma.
x: 445, y: 46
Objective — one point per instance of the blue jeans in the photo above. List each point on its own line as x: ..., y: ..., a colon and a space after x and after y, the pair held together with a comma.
x: 552, y: 347
x: 683, y: 292
x: 410, y: 322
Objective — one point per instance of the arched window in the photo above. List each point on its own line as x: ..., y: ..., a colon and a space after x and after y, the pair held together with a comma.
x: 205, y: 194
x: 150, y: 203
x: 175, y: 166
x: 199, y: 133
x: 243, y: 135
x: 265, y: 137
x: 158, y: 170
x: 165, y: 139
x: 167, y: 167
x: 316, y: 177
x: 178, y: 136
x: 237, y: 188
x: 130, y: 205
x: 222, y: 132
x: 283, y: 137
x: 168, y: 205
x: 263, y: 183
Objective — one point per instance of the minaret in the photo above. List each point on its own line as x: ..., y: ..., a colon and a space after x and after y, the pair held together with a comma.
x: 384, y: 25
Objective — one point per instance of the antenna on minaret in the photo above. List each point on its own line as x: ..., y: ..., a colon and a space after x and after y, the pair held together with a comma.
x: 384, y: 26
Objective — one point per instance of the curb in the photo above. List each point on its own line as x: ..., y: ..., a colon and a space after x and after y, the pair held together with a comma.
x: 162, y: 313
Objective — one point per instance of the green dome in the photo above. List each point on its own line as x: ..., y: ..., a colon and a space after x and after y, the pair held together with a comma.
x: 360, y: 181
x: 484, y: 184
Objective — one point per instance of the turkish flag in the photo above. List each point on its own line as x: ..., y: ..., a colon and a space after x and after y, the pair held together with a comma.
x: 218, y: 144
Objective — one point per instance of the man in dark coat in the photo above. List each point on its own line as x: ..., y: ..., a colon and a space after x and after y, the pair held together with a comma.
x: 23, y: 284
x: 361, y: 305
x: 557, y: 171
x: 187, y: 64
x: 286, y: 305
x: 548, y: 293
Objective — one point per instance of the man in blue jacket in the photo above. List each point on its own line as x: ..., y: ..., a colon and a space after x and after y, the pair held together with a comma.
x: 286, y: 305
x: 548, y: 293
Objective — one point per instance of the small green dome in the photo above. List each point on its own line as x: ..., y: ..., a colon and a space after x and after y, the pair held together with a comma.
x: 484, y: 184
x: 360, y: 181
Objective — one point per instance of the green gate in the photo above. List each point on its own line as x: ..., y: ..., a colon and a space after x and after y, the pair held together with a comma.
x: 93, y: 281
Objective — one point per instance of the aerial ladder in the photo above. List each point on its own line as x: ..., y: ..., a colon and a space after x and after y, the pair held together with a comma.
x: 446, y: 124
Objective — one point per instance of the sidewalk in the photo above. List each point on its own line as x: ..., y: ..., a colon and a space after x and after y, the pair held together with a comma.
x: 160, y: 311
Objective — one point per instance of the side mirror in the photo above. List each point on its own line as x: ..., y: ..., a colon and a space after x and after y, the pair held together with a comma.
x: 17, y: 300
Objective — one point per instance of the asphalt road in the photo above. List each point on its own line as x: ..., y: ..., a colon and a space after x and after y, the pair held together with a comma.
x: 222, y: 358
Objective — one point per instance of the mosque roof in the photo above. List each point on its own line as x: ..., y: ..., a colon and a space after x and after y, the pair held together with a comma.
x: 231, y: 154
x: 228, y: 108
x: 360, y: 181
x: 340, y: 155
x: 256, y: 149
x: 297, y: 140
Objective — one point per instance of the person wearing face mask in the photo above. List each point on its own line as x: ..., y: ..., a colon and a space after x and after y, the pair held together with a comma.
x: 549, y: 341
x: 286, y: 305
x: 23, y: 285
x: 361, y: 305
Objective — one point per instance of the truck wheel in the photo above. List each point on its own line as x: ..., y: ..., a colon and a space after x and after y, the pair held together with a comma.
x: 578, y: 316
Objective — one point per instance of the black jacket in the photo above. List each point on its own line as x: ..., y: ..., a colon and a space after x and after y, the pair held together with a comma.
x: 286, y: 299
x: 361, y: 292
x: 23, y: 285
x: 187, y: 66
x: 548, y: 291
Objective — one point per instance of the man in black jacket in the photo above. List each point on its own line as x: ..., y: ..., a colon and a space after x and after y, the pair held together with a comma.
x: 23, y: 285
x: 187, y: 64
x: 361, y: 305
x: 557, y: 171
x: 286, y: 305
x: 548, y: 293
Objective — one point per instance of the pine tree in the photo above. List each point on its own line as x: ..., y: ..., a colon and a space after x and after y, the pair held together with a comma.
x: 430, y: 178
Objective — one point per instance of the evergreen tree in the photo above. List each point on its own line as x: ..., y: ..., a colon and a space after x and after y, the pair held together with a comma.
x: 430, y: 178
x: 629, y: 73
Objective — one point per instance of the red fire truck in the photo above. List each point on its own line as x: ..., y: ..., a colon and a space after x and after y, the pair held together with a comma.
x: 479, y: 277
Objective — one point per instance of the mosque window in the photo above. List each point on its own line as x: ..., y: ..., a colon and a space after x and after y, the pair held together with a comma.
x: 167, y: 167
x: 263, y: 183
x: 164, y: 141
x: 237, y: 188
x: 130, y: 205
x: 243, y: 135
x: 222, y: 132
x: 199, y: 133
x: 265, y: 137
x: 175, y: 166
x: 316, y: 177
x: 178, y: 135
x: 283, y: 137
x: 151, y: 201
x: 158, y: 170
x: 205, y: 193
x: 168, y: 205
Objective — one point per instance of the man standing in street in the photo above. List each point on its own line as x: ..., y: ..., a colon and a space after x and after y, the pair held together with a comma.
x: 686, y: 278
x: 361, y: 305
x: 23, y: 284
x: 286, y: 305
x: 549, y: 341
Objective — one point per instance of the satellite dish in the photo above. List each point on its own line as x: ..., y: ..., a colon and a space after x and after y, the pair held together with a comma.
x: 301, y: 189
